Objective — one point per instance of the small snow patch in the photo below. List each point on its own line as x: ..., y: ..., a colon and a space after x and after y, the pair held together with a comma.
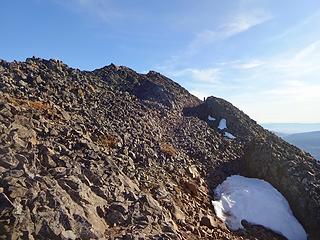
x: 222, y: 124
x: 256, y: 201
x: 211, y: 118
x: 229, y: 135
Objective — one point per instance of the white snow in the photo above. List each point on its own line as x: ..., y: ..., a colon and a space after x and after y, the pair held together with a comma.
x: 256, y: 201
x: 222, y: 124
x: 211, y: 118
x: 229, y: 135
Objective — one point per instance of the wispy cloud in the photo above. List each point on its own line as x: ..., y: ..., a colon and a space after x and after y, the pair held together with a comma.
x: 206, y: 75
x: 290, y: 101
x: 295, y: 91
x: 103, y: 10
x: 291, y: 64
x: 263, y: 86
x: 240, y: 23
x: 200, y: 93
x: 201, y: 81
x: 295, y: 28
x: 285, y: 87
x: 241, y: 64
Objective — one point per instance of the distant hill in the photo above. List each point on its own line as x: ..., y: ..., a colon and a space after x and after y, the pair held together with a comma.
x: 308, y: 141
x: 303, y: 135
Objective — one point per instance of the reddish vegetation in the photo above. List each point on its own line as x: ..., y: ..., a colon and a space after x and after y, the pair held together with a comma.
x: 168, y: 149
x: 37, y: 105
x: 108, y: 140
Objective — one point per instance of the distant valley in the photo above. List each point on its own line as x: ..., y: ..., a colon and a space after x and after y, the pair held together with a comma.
x: 291, y: 128
x: 309, y: 141
x: 305, y: 136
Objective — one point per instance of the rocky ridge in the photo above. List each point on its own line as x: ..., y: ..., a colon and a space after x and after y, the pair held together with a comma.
x: 113, y: 154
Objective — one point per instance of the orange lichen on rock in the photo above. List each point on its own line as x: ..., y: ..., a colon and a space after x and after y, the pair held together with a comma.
x: 108, y: 140
x: 37, y: 105
x: 168, y: 149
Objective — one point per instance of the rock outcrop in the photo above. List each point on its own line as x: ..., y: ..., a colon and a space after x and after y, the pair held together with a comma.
x: 295, y: 174
x: 238, y: 122
x: 113, y: 154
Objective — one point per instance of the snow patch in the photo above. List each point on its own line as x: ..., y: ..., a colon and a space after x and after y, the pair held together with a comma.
x: 211, y: 118
x: 222, y: 124
x: 229, y: 135
x: 256, y: 201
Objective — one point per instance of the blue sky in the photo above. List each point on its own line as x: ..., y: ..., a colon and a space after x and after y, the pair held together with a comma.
x: 263, y: 56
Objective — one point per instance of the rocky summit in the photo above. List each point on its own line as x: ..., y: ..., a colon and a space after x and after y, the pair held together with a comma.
x: 113, y: 154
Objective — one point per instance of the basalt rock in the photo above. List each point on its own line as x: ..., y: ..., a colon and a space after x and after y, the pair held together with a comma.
x: 238, y: 123
x: 295, y: 174
x: 114, y: 154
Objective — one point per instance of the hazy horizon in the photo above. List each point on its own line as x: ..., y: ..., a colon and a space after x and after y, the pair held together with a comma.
x: 291, y: 128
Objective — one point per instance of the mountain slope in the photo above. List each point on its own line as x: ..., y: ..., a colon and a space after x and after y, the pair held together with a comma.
x: 113, y: 154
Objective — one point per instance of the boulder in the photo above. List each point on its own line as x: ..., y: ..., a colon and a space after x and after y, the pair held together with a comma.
x: 292, y: 172
x: 208, y: 221
x: 6, y: 205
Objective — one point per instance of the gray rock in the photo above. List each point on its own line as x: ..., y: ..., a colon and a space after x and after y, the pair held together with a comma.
x: 287, y: 169
x: 6, y: 205
x: 81, y: 157
x: 115, y: 217
x: 208, y: 221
